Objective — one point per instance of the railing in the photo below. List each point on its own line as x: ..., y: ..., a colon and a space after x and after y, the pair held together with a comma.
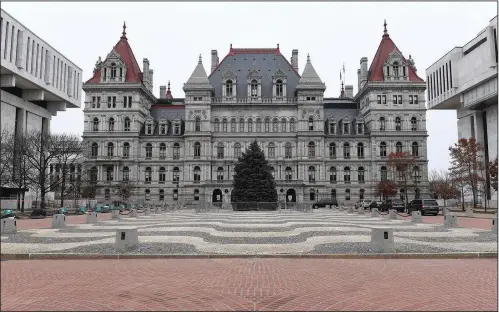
x: 245, y: 100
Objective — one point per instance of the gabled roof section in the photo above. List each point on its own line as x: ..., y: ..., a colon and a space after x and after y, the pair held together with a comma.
x: 199, y: 79
x: 310, y: 79
x: 385, y: 48
x: 123, y: 49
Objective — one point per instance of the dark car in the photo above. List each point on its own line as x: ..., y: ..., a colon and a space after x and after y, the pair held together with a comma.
x: 374, y: 204
x: 426, y: 206
x: 397, y: 204
x: 324, y: 203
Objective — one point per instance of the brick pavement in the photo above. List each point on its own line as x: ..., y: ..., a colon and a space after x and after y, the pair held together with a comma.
x: 46, y: 223
x: 250, y: 284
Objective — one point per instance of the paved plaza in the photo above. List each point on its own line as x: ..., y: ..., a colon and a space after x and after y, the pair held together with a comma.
x: 186, y: 232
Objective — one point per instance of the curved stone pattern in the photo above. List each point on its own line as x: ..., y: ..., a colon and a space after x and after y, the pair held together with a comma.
x: 324, y: 231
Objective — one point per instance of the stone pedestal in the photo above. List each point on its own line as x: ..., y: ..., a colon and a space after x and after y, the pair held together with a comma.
x: 58, y: 221
x: 8, y: 226
x: 450, y: 220
x: 340, y: 209
x: 470, y: 213
x: 147, y: 211
x: 374, y: 213
x: 494, y: 224
x: 350, y: 210
x: 92, y: 217
x: 392, y: 214
x: 361, y: 211
x: 134, y: 213
x: 126, y: 239
x: 416, y: 217
x: 115, y: 214
x: 158, y: 210
x: 382, y: 240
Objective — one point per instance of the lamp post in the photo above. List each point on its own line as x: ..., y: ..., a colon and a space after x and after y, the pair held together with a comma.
x: 178, y: 191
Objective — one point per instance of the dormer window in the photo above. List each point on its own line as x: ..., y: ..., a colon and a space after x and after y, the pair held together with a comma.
x: 176, y: 128
x: 254, y: 88
x: 396, y: 69
x: 360, y: 128
x: 113, y: 70
x: 332, y: 128
x: 279, y: 88
x: 163, y: 128
x: 149, y: 129
x: 228, y: 88
x: 346, y: 128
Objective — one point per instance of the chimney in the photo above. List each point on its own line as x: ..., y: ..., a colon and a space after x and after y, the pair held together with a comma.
x: 151, y: 75
x: 363, y: 72
x: 162, y: 92
x: 145, y: 71
x: 349, y: 91
x: 214, y: 60
x: 294, y: 59
x: 358, y: 79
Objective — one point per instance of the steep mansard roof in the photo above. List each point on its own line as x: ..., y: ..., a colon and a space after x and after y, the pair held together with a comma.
x: 123, y: 49
x: 309, y: 79
x: 385, y: 48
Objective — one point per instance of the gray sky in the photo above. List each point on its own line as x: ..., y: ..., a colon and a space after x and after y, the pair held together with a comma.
x: 172, y: 35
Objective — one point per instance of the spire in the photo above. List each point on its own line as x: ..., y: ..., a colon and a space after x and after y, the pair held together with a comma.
x: 342, y: 93
x: 168, y: 92
x: 199, y: 79
x: 308, y: 58
x: 200, y: 59
x: 123, y: 34
x: 309, y: 78
x: 385, y: 31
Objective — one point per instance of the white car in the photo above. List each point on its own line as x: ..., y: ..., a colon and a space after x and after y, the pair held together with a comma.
x: 364, y: 203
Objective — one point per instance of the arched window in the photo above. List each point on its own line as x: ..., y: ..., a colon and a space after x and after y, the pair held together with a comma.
x: 415, y: 149
x: 233, y: 125
x: 110, y: 149
x: 396, y: 69
x: 254, y: 88
x: 109, y: 173
x: 95, y: 125
x: 197, y: 149
x: 288, y: 150
x: 113, y: 70
x: 220, y: 150
x: 384, y: 173
x: 111, y: 124
x: 347, y: 194
x: 228, y: 88
x: 332, y: 150
x: 279, y: 91
x: 398, y: 124
x: 224, y: 125
x: 382, y: 149
x: 332, y: 175
x: 292, y: 125
x: 346, y: 174
x: 237, y: 150
x: 382, y: 124
x: 241, y: 125
x: 312, y: 194
x: 220, y: 174
x: 310, y: 123
x: 311, y: 174
x: 196, y: 194
x: 127, y: 124
x: 360, y: 175
x: 148, y: 177
x: 346, y: 150
x: 197, y: 174
x: 216, y: 125
x: 414, y: 124
x: 148, y: 150
x: 333, y: 194
x: 176, y: 174
x: 275, y: 125
x: 162, y: 151
x: 162, y: 175
x: 360, y: 150
x: 250, y: 125
x: 311, y: 150
x: 95, y: 149
x: 176, y: 151
x: 283, y: 125
x: 126, y: 150
x: 126, y: 174
x: 271, y: 150
x: 398, y: 147
x: 161, y: 195
x: 416, y: 174
x: 288, y: 174
x: 197, y: 124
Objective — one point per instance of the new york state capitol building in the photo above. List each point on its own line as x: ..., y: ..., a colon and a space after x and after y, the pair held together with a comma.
x: 185, y: 149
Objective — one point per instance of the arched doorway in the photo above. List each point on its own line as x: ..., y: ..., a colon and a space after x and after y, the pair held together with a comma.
x: 217, y: 196
x: 291, y: 196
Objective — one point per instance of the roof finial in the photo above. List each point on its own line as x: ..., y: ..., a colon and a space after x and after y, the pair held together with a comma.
x: 200, y: 59
x: 308, y: 57
x: 123, y: 34
x: 168, y: 85
x: 385, y: 31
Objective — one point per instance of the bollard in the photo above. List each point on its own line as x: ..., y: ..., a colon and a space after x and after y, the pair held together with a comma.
x: 8, y: 226
x: 126, y: 239
x: 361, y: 211
x: 374, y: 213
x: 382, y: 240
x: 494, y: 225
x: 134, y: 213
x: 115, y: 214
x: 92, y: 217
x: 58, y: 221
x: 392, y: 214
x: 416, y: 217
x: 158, y: 210
x: 350, y: 210
x: 450, y: 220
x: 340, y: 209
x: 469, y: 212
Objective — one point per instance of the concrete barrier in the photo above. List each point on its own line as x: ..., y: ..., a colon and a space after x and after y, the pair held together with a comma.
x: 115, y: 214
x: 148, y: 211
x: 134, y: 213
x: 469, y: 213
x: 8, y: 226
x: 92, y: 217
x: 450, y: 220
x: 58, y: 221
x: 340, y: 209
x: 382, y: 240
x: 158, y: 210
x: 374, y: 213
x: 350, y: 210
x: 126, y: 239
x: 392, y: 214
x: 361, y: 211
x: 416, y: 217
x: 494, y: 224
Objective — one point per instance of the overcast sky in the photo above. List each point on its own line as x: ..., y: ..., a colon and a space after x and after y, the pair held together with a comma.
x: 172, y: 35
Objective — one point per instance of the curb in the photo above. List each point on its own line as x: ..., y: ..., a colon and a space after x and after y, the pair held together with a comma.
x: 70, y: 256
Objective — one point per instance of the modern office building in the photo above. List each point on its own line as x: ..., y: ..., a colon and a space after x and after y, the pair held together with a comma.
x: 465, y: 80
x: 185, y: 148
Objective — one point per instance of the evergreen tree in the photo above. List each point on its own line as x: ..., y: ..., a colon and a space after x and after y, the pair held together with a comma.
x: 253, y: 180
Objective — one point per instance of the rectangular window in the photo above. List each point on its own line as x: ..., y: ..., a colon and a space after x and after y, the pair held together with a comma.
x: 450, y: 72
x: 379, y: 99
x: 125, y: 98
x: 446, y: 77
x: 495, y: 42
x: 108, y: 102
x: 12, y: 44
x: 394, y: 99
x: 410, y: 99
x: 400, y: 99
x: 346, y: 128
x: 94, y: 101
x: 440, y: 80
x: 416, y: 100
x: 98, y: 102
x: 27, y: 57
x: 129, y: 102
x: 383, y: 98
x: 428, y: 88
x: 6, y: 41
x: 114, y: 102
x: 404, y: 70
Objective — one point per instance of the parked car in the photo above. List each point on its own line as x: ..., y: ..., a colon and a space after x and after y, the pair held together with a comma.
x: 325, y: 202
x: 364, y: 203
x: 374, y: 204
x: 426, y: 206
x: 397, y: 204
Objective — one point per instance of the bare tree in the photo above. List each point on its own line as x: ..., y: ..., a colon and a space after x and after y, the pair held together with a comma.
x: 443, y: 186
x: 493, y: 174
x: 6, y: 155
x: 402, y: 164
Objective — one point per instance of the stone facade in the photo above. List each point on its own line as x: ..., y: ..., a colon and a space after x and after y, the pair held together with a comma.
x: 185, y: 149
